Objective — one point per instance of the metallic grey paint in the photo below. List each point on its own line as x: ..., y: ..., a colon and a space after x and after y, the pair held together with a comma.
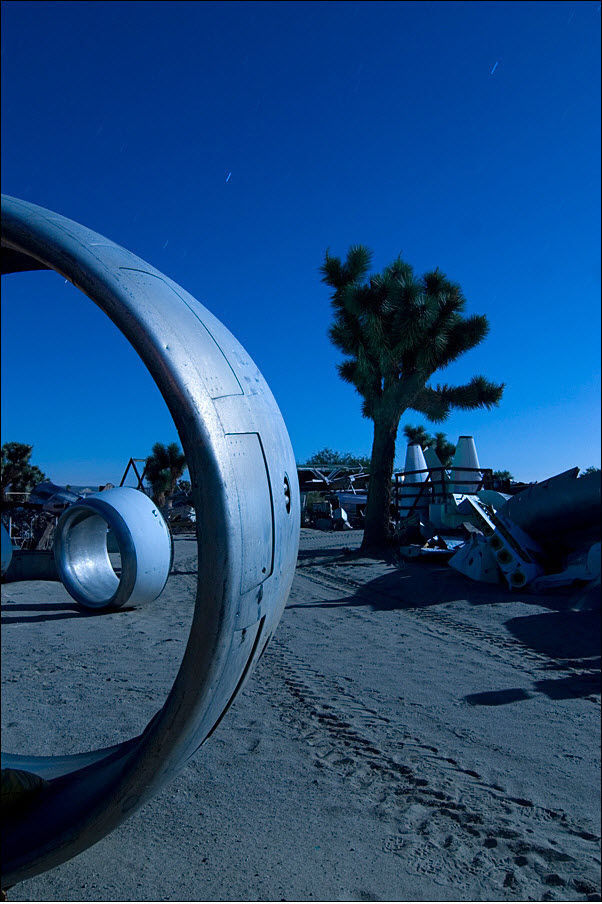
x: 238, y: 452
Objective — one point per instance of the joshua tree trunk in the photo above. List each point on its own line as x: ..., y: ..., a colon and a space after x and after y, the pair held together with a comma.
x: 376, y: 517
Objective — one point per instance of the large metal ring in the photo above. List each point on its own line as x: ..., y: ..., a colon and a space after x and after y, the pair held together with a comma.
x: 239, y: 458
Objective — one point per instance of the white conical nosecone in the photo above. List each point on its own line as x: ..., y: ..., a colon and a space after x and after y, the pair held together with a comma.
x: 437, y: 472
x: 414, y: 462
x: 464, y: 480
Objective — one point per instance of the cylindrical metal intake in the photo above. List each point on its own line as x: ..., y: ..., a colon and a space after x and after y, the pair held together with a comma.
x: 83, y: 560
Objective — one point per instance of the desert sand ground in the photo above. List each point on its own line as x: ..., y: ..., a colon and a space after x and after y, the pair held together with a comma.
x: 408, y: 736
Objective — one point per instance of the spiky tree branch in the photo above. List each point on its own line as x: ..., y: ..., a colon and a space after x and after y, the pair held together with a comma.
x: 417, y: 435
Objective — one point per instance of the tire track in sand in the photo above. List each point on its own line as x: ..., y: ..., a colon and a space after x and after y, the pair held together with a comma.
x: 442, y: 819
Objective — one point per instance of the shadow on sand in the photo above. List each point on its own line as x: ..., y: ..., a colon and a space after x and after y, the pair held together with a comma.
x: 562, y: 636
x: 332, y: 555
x: 498, y: 698
x: 569, y: 687
x: 51, y: 612
x: 414, y: 585
x: 569, y: 641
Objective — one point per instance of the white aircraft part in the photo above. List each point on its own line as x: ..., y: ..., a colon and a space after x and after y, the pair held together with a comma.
x: 414, y: 462
x: 465, y: 457
x: 241, y: 467
x: 476, y: 560
x: 594, y: 560
x: 476, y: 514
x: 82, y: 558
x: 352, y: 501
x: 516, y: 554
x: 587, y: 569
x: 439, y: 477
x: 493, y: 498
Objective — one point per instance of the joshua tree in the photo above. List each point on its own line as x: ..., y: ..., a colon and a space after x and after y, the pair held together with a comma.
x: 444, y: 449
x: 396, y: 330
x: 439, y: 442
x: 17, y: 473
x: 163, y: 470
x: 418, y: 435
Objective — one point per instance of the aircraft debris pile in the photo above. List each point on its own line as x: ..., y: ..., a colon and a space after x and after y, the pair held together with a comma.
x: 546, y: 536
x: 50, y: 497
x: 333, y: 499
x: 29, y: 528
x: 180, y: 513
x: 435, y: 547
x: 29, y: 523
x: 31, y: 519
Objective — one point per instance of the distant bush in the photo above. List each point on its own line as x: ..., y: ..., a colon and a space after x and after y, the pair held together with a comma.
x: 17, y: 474
x: 328, y: 458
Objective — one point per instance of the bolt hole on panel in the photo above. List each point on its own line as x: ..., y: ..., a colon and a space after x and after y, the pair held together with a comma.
x: 127, y: 664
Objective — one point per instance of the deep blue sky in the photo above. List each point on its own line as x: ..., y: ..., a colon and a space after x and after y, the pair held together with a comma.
x: 465, y: 135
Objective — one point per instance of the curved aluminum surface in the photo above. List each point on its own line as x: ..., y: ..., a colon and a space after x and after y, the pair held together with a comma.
x: 240, y: 460
x: 82, y: 558
x: 7, y: 548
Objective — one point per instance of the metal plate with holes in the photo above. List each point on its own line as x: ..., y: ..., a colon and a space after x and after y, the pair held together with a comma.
x: 239, y: 455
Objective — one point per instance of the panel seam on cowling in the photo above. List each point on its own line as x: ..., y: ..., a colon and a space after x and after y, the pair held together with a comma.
x: 204, y: 325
